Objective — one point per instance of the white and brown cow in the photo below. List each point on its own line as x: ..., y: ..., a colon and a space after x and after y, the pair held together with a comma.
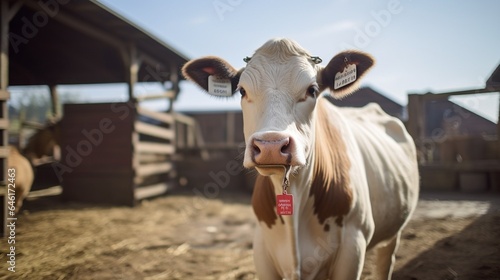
x: 352, y: 172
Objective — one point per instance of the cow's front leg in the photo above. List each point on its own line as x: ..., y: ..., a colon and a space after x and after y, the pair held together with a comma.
x: 348, y: 264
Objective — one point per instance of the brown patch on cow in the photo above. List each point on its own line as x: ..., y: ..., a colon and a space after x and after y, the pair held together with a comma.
x: 326, y: 227
x: 264, y: 201
x: 42, y: 143
x: 330, y: 187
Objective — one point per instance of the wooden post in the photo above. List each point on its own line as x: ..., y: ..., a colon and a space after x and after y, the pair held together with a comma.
x: 6, y: 14
x: 132, y: 68
x: 54, y: 98
x: 131, y: 73
x: 413, y: 115
x: 416, y: 120
x: 498, y: 129
x: 174, y: 79
x: 4, y: 82
x: 230, y: 129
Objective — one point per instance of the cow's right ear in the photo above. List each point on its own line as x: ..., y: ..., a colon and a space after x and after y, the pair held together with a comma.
x: 213, y: 74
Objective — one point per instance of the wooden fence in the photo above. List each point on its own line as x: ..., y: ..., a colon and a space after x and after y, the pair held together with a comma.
x: 457, y: 149
x: 117, y: 153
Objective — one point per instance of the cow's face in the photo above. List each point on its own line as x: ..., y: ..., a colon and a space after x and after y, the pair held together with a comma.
x: 279, y: 88
x: 278, y: 95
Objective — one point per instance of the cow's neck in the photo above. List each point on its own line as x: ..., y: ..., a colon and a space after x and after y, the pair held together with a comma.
x: 320, y: 187
x: 289, y: 225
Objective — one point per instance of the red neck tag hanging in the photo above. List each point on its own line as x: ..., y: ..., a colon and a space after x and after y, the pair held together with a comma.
x: 284, y: 204
x: 284, y: 201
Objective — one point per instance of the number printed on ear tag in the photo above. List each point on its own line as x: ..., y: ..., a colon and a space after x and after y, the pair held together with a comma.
x: 284, y: 204
x: 345, y: 77
x: 219, y: 87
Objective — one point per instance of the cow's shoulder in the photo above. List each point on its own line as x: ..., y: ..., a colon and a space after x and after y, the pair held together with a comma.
x: 330, y: 188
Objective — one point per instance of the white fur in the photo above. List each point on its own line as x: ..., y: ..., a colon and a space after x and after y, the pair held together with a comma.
x: 383, y: 169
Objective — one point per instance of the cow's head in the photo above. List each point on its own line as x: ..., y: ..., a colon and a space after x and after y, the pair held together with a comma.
x: 279, y: 88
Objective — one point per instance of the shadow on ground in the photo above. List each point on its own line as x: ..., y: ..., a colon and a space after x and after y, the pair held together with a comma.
x: 473, y: 253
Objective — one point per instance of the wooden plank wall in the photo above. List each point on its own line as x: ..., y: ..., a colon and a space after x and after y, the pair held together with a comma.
x: 96, y: 147
x: 130, y: 155
x: 154, y: 148
x: 220, y: 129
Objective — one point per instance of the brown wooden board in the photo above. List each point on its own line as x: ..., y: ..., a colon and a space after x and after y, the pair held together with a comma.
x: 96, y: 149
x: 106, y: 188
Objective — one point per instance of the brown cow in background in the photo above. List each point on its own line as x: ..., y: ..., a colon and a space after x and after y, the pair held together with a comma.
x: 23, y: 174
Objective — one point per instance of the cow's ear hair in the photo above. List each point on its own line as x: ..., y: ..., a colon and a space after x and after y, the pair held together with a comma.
x: 198, y: 71
x: 342, y: 63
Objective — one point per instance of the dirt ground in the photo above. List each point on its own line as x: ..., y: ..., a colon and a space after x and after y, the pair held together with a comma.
x: 179, y: 236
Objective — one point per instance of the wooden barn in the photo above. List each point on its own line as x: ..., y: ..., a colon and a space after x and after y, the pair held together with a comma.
x: 112, y: 152
x: 458, y: 149
x: 366, y: 95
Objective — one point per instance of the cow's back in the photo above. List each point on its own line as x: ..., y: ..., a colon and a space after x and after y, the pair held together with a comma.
x: 389, y: 156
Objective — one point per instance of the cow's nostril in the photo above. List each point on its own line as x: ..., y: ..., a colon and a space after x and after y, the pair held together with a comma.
x: 285, y: 149
x: 256, y: 149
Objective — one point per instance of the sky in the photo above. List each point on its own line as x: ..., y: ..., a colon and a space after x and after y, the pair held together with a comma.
x: 420, y: 46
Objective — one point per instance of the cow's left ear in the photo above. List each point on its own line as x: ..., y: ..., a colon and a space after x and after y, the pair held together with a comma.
x: 344, y: 71
x: 213, y: 74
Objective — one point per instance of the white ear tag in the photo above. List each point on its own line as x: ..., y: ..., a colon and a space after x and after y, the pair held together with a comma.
x: 345, y: 77
x: 219, y: 87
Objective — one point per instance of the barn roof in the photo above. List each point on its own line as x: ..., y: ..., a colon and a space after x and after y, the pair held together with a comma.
x: 366, y: 95
x: 83, y: 42
x: 445, y: 114
x: 494, y: 80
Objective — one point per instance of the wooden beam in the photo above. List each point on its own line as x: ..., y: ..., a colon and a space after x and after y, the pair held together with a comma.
x: 413, y: 111
x: 163, y: 117
x: 156, y: 148
x: 187, y: 120
x: 4, y: 95
x: 153, y: 62
x: 132, y: 68
x: 54, y: 98
x: 153, y: 168
x: 151, y: 190
x: 6, y: 15
x: 4, y: 152
x: 14, y: 8
x: 166, y: 94
x: 4, y: 123
x: 156, y: 131
x: 498, y: 131
x: 150, y: 158
x: 445, y: 95
x: 83, y: 27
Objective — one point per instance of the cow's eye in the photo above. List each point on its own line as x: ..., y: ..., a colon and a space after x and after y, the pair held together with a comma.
x: 243, y: 92
x: 312, y: 91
